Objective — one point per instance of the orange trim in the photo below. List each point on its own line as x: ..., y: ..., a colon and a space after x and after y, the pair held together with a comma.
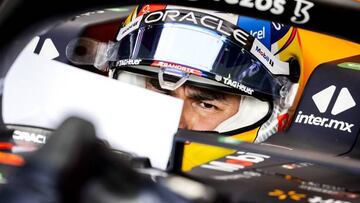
x: 248, y: 136
x: 288, y: 42
x: 11, y: 159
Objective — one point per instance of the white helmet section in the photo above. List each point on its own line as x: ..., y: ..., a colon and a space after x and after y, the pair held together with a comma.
x: 40, y: 92
x: 251, y: 110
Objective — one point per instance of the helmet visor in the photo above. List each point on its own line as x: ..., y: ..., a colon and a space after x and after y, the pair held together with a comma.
x: 195, y: 45
x: 201, y: 52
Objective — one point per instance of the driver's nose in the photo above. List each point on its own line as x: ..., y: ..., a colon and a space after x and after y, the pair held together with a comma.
x: 188, y: 119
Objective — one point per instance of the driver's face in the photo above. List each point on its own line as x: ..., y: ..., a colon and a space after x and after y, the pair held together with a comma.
x: 203, y: 109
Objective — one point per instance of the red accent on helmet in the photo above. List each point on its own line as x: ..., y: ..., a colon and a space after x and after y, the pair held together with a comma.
x: 283, y: 121
x: 239, y: 162
x: 150, y: 8
x: 289, y: 40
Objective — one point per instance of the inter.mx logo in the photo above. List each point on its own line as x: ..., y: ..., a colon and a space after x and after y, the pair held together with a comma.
x: 343, y: 102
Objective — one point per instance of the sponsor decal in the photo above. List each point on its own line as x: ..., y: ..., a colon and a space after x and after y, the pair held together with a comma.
x: 182, y: 68
x: 127, y: 62
x: 350, y: 65
x: 263, y: 54
x: 274, y: 6
x: 260, y: 29
x: 218, y: 78
x: 242, y: 175
x: 29, y: 137
x: 322, y: 99
x: 336, y: 191
x: 279, y: 27
x: 323, y: 122
x: 207, y: 21
x: 327, y: 189
x: 343, y: 102
x: 296, y: 165
x: 290, y: 195
x: 237, y: 85
x: 318, y: 199
x: 11, y: 159
x: 301, y: 12
x: 234, y: 163
x: 133, y: 25
x: 274, y: 65
x: 259, y: 34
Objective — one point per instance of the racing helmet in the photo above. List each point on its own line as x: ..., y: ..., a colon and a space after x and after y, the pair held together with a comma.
x: 255, y: 59
x: 174, y: 46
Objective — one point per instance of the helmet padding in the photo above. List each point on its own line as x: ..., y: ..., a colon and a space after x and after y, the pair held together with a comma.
x: 251, y: 110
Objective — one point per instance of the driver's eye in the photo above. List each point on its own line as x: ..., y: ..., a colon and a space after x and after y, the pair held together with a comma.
x: 207, y: 105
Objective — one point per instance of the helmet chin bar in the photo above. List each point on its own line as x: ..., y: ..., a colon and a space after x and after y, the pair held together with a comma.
x: 173, y: 72
x: 251, y: 111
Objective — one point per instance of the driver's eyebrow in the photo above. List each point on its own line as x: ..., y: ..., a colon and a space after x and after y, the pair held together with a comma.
x: 200, y: 94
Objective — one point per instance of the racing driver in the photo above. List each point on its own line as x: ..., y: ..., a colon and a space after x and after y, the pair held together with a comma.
x: 238, y: 76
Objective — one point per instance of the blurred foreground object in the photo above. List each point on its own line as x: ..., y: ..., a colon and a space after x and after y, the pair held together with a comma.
x: 74, y: 163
